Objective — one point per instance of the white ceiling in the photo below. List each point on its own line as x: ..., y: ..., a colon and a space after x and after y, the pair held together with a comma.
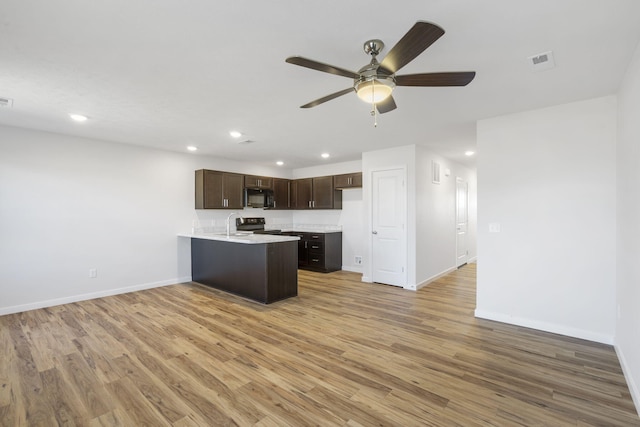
x: 169, y: 73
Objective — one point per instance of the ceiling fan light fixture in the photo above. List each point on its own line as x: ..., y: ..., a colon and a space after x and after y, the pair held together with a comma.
x: 373, y: 91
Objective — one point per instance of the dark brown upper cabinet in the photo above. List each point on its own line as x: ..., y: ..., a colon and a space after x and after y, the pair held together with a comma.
x: 281, y: 193
x: 258, y: 182
x: 218, y: 190
x: 348, y: 180
x: 315, y: 193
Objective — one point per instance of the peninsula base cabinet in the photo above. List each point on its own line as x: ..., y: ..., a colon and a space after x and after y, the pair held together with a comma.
x: 319, y: 251
x: 273, y: 275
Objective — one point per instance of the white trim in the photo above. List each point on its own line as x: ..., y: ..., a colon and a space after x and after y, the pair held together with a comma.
x: 547, y: 327
x: 352, y: 269
x: 93, y: 295
x: 436, y: 277
x: 633, y: 387
x: 366, y: 279
x: 410, y: 287
x: 405, y: 207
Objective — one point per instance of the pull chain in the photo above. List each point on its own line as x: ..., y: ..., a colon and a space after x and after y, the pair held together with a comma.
x: 374, y: 111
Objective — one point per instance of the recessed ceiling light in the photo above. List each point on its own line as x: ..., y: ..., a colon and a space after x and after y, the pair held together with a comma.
x: 279, y: 163
x: 192, y: 148
x: 325, y: 155
x: 78, y: 117
x: 469, y: 153
x: 235, y: 134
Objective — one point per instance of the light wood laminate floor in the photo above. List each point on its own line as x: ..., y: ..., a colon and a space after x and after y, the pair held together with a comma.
x: 342, y: 353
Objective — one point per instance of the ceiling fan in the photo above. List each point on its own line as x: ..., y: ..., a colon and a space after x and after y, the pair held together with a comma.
x: 374, y: 82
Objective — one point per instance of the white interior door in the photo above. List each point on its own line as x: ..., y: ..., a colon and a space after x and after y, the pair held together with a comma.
x: 389, y: 236
x: 462, y: 221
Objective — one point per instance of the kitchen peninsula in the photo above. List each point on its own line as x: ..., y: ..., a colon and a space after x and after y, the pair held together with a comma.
x: 263, y: 268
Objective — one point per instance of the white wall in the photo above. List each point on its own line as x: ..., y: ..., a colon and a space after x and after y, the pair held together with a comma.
x: 548, y: 178
x: 71, y: 204
x: 628, y: 230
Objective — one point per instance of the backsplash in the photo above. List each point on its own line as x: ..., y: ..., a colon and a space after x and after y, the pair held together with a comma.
x: 215, y: 221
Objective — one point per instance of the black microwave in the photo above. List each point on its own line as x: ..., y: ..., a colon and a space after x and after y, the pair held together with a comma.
x: 254, y: 198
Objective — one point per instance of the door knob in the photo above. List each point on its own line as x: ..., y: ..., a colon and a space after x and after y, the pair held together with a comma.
x: 374, y: 232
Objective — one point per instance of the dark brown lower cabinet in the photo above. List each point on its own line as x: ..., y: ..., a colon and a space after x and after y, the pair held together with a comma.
x: 319, y: 251
x: 262, y: 272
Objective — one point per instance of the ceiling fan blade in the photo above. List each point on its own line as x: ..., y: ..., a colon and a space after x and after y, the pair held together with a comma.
x: 327, y: 98
x: 418, y: 38
x: 315, y: 65
x: 386, y: 105
x: 462, y: 78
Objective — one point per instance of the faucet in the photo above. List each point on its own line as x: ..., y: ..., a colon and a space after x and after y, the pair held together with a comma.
x: 228, y: 224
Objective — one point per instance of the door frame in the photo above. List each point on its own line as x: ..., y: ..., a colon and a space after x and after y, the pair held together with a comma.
x: 461, y: 180
x: 405, y: 216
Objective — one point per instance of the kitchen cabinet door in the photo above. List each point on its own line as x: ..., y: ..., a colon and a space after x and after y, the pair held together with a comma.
x: 302, y: 193
x: 281, y: 193
x: 322, y: 193
x: 232, y: 189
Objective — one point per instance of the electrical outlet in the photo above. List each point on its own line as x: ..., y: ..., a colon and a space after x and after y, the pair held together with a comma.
x: 93, y: 273
x: 358, y: 260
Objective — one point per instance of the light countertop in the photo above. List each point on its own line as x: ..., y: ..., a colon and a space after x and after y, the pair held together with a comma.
x: 246, y: 238
x: 311, y: 230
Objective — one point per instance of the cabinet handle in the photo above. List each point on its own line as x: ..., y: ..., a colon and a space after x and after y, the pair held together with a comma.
x: 315, y: 260
x: 274, y: 203
x: 374, y: 232
x: 313, y: 204
x: 309, y: 203
x: 305, y: 244
x: 315, y: 237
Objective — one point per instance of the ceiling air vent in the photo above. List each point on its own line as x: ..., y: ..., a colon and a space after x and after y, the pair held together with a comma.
x: 6, y: 102
x: 542, y: 61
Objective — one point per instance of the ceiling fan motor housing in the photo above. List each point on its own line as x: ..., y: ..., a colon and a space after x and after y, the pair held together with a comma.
x: 371, y: 85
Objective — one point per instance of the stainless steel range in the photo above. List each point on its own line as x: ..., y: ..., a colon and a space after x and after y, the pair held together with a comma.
x: 255, y: 225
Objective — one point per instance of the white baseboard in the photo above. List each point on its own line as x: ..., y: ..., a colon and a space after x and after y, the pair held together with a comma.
x: 83, y: 297
x: 436, y: 277
x: 633, y: 387
x: 547, y: 327
x: 366, y: 279
x: 352, y: 268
